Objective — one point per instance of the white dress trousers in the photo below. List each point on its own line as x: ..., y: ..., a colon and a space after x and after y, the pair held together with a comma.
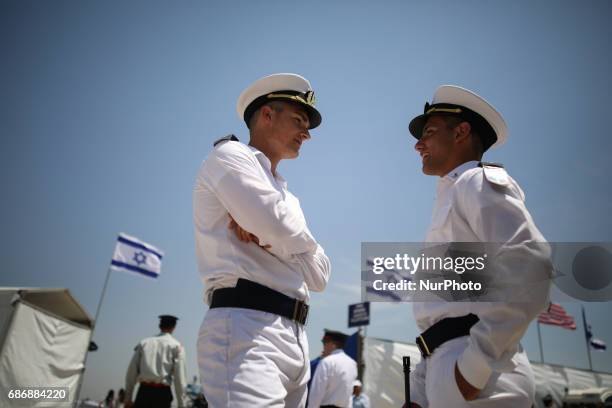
x: 506, y: 390
x: 251, y: 359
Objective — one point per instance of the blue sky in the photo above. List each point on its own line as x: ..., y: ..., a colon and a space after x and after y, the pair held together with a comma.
x: 108, y: 108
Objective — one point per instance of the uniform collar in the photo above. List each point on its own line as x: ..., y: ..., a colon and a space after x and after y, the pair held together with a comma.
x: 267, y: 164
x: 336, y: 351
x: 454, y: 174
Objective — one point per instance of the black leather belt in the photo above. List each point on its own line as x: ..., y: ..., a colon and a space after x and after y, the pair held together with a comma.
x: 443, y: 331
x: 251, y: 295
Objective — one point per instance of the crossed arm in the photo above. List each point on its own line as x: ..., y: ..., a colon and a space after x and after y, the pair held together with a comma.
x: 260, y: 214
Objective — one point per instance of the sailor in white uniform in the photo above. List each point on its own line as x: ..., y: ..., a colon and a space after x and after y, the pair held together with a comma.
x: 157, y: 362
x: 332, y: 383
x: 472, y: 355
x: 256, y: 256
x: 360, y: 400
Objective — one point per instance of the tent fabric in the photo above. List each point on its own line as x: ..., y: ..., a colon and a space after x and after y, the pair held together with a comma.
x: 6, y: 311
x: 41, y: 350
x: 383, y: 379
x: 553, y: 379
x: 57, y: 301
x: 43, y: 342
x: 383, y: 359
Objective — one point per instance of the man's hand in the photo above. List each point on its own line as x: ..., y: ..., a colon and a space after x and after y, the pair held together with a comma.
x: 468, y: 391
x: 244, y: 235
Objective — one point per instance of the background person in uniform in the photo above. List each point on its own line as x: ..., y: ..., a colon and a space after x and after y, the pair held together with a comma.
x: 120, y: 402
x: 157, y: 362
x: 360, y: 400
x: 471, y: 350
x: 256, y: 256
x: 109, y: 401
x: 332, y: 383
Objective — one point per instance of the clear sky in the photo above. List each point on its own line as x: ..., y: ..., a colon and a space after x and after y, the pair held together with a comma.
x: 108, y: 108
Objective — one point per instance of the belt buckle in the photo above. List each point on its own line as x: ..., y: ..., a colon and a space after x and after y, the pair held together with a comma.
x: 300, y: 312
x: 420, y: 341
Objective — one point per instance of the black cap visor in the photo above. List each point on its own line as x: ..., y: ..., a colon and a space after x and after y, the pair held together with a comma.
x: 479, y: 124
x: 167, y: 320
x: 305, y: 100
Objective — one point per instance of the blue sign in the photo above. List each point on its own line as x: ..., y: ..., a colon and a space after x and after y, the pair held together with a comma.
x: 359, y: 314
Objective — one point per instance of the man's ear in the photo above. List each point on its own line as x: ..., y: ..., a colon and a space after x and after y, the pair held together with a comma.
x: 463, y: 131
x: 265, y: 113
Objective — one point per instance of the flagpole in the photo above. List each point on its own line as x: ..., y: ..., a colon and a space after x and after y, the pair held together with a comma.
x: 586, y: 338
x: 123, y: 255
x: 93, y: 327
x: 101, y: 299
x: 540, y: 342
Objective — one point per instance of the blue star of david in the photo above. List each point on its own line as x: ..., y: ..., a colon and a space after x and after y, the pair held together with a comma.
x: 139, y: 258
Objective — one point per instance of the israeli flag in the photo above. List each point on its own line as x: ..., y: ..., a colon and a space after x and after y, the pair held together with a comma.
x: 390, y: 276
x: 133, y: 255
x: 597, y: 344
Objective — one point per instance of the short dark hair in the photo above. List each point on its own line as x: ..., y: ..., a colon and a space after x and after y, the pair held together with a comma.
x: 454, y: 121
x: 338, y: 343
x: 277, y: 106
x: 167, y: 325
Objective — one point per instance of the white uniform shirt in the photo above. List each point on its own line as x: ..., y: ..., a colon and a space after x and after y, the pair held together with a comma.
x: 158, y: 359
x: 473, y: 207
x: 333, y: 380
x: 237, y: 179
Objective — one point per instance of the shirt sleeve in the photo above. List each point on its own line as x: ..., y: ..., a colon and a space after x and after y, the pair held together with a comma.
x: 235, y: 177
x: 497, y: 214
x: 315, y: 268
x: 417, y: 384
x: 132, y: 373
x: 179, y: 376
x: 318, y: 385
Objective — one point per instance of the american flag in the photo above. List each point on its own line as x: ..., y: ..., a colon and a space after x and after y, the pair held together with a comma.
x: 557, y: 316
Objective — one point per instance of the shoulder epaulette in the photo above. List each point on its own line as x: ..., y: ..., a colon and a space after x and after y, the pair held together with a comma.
x: 487, y: 164
x: 495, y: 173
x: 225, y: 139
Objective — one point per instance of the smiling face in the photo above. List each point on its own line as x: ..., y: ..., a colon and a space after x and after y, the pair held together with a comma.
x: 436, y: 147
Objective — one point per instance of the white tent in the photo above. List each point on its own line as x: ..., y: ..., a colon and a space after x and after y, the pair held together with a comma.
x: 44, y: 335
x: 383, y: 379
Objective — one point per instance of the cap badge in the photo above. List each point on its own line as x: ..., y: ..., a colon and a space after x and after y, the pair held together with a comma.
x: 307, y: 98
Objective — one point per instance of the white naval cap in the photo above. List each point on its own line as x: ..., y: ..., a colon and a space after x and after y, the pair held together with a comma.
x: 357, y: 383
x: 452, y: 100
x: 287, y: 87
